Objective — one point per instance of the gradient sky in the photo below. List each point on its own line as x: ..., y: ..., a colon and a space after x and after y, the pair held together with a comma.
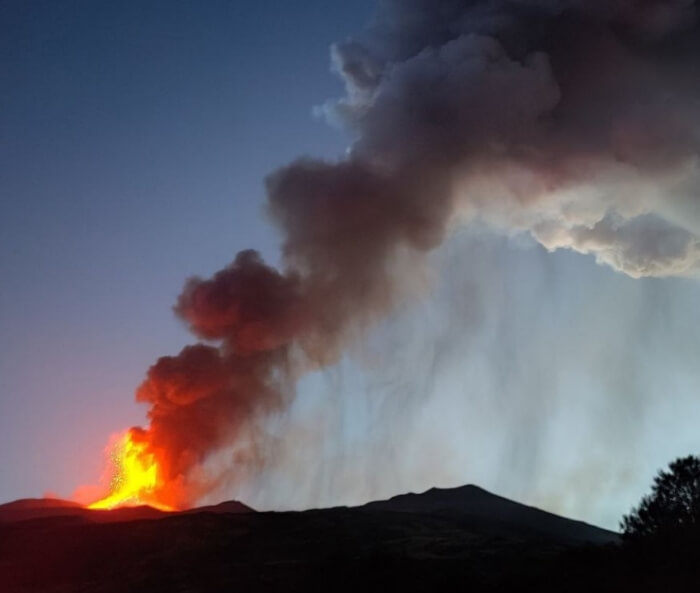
x: 134, y: 140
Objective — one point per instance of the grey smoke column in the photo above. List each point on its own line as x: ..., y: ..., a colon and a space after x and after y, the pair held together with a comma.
x: 574, y: 121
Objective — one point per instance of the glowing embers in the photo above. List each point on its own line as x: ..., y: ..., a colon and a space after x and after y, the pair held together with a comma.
x: 136, y: 479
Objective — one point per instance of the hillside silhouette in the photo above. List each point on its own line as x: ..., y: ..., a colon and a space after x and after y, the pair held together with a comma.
x: 441, y: 540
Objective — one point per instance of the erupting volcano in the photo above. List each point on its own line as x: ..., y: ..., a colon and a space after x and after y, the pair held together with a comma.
x: 571, y: 122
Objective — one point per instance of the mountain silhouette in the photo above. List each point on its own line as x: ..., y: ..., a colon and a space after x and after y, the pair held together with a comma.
x: 489, y: 513
x: 431, y: 541
x: 42, y: 508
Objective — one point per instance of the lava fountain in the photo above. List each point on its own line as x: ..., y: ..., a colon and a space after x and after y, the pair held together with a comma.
x: 136, y: 476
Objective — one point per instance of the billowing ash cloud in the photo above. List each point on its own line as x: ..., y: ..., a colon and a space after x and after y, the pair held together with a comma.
x: 574, y: 121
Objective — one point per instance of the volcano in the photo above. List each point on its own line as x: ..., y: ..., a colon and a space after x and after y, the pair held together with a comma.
x: 468, y: 506
x: 415, y: 542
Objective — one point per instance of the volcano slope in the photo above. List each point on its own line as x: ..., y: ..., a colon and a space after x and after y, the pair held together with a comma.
x: 462, y: 539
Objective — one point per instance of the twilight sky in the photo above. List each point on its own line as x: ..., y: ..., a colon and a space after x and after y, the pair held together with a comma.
x: 135, y: 140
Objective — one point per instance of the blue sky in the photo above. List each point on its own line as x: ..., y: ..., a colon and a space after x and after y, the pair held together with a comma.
x: 134, y: 140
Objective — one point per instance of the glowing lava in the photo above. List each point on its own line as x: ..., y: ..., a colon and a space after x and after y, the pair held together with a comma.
x: 136, y: 479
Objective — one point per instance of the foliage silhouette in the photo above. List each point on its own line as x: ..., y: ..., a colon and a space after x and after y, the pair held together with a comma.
x: 672, y: 510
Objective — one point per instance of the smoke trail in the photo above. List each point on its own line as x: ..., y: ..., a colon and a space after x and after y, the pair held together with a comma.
x: 574, y: 121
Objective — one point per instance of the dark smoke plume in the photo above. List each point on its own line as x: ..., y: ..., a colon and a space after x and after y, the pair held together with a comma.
x: 574, y: 121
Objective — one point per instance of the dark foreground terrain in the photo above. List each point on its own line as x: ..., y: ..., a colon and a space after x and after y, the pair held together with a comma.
x: 463, y: 539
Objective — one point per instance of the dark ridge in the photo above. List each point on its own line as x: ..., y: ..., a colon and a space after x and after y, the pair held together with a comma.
x: 228, y: 506
x: 24, y: 504
x: 494, y: 514
x: 457, y: 539
x: 32, y: 509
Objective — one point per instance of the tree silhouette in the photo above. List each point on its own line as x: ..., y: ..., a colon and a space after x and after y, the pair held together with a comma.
x: 672, y: 508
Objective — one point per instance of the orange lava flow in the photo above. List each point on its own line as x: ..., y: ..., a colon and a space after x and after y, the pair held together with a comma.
x: 136, y: 480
